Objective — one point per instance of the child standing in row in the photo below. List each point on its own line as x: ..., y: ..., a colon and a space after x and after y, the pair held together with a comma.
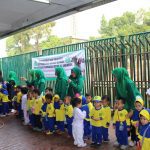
x: 30, y: 103
x: 97, y: 116
x: 144, y: 130
x: 135, y: 119
x: 106, y: 120
x: 4, y: 100
x: 121, y: 124
x: 24, y: 91
x: 50, y: 114
x: 68, y: 114
x: 37, y: 110
x: 77, y: 125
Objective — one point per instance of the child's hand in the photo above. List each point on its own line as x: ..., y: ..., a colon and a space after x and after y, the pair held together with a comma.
x: 128, y: 129
x: 96, y: 119
x: 114, y: 126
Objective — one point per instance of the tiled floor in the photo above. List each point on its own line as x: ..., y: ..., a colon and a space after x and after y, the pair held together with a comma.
x: 15, y: 136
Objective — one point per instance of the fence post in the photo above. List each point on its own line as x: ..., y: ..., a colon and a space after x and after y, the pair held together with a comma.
x: 122, y: 38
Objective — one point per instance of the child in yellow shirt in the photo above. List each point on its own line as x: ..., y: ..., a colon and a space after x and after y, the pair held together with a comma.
x: 30, y: 103
x: 121, y: 124
x: 4, y: 99
x: 37, y: 110
x: 49, y: 114
x: 19, y: 96
x: 68, y: 114
x: 144, y: 130
x: 106, y: 120
x: 97, y: 116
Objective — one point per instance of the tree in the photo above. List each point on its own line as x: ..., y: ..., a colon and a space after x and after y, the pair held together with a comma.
x: 126, y: 24
x: 21, y: 42
x: 54, y: 41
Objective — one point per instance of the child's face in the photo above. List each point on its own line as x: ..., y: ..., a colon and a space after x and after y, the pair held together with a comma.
x: 138, y: 106
x: 116, y: 105
x: 67, y: 100
x: 35, y: 95
x: 88, y: 99
x: 143, y: 120
x: 48, y: 101
x: 97, y: 104
x: 47, y: 92
x: 18, y: 90
x: 79, y: 105
x: 120, y: 105
x: 105, y: 102
x: 56, y: 99
x: 30, y: 95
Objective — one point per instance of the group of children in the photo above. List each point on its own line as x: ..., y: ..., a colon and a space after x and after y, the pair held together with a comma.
x: 83, y: 116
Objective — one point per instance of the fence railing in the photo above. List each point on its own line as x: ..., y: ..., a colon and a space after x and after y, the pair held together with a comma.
x: 102, y: 56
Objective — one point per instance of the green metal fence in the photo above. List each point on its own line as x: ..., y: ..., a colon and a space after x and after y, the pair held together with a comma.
x: 102, y: 56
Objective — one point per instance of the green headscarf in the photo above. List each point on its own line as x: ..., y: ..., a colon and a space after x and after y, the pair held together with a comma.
x: 61, y: 74
x: 122, y: 78
x: 13, y: 77
x: 125, y: 88
x: 41, y: 77
x: 32, y: 74
x: 77, y: 71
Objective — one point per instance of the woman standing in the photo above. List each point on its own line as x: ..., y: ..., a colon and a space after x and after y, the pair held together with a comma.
x: 32, y: 82
x: 125, y: 88
x: 75, y: 82
x: 40, y: 80
x: 61, y: 86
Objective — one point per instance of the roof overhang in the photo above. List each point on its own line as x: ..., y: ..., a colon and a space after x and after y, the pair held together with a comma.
x: 17, y: 15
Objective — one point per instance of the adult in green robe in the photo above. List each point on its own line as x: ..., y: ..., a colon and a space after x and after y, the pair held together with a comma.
x: 75, y: 81
x: 125, y: 88
x: 32, y: 81
x: 61, y: 86
x: 40, y: 80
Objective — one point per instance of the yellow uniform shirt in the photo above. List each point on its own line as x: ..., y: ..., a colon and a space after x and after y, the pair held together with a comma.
x: 90, y: 105
x: 4, y: 98
x: 43, y: 99
x: 97, y: 114
x: 60, y: 113
x: 30, y: 104
x: 121, y: 116
x: 144, y: 136
x: 69, y: 111
x: 107, y: 119
x: 50, y: 110
x: 19, y: 96
x: 37, y: 106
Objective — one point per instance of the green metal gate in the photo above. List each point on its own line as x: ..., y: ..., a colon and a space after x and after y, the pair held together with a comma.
x: 102, y: 56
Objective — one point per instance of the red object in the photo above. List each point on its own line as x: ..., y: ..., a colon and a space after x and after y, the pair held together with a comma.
x: 138, y: 147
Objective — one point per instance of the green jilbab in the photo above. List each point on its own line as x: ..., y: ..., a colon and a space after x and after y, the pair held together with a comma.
x: 125, y: 88
x: 76, y: 85
x: 61, y: 86
x: 40, y: 80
